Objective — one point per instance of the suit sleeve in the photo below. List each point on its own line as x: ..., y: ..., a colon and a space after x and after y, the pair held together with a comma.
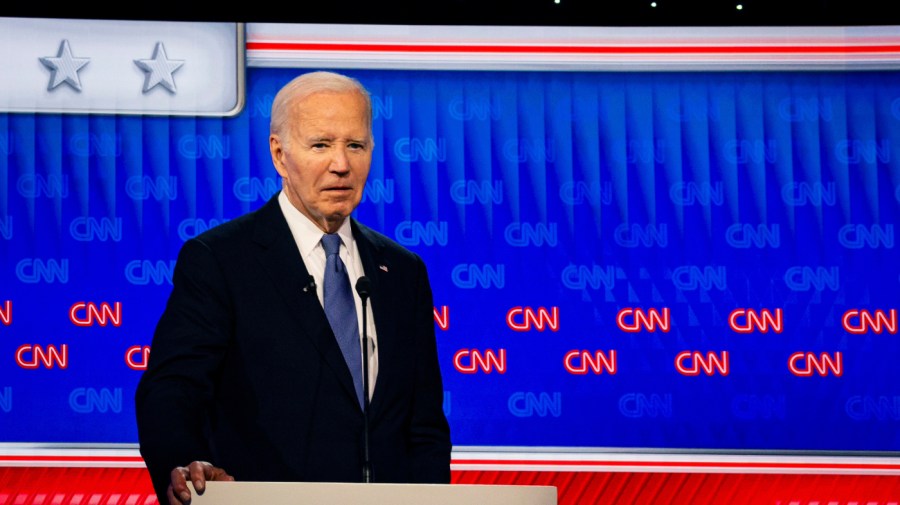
x: 173, y: 396
x: 430, y: 433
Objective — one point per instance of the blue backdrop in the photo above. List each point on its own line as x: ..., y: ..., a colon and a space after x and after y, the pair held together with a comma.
x: 544, y: 204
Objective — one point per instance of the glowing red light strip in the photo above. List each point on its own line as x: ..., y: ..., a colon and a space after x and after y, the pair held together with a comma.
x: 434, y: 48
x: 518, y: 463
x: 91, y: 459
x: 689, y: 464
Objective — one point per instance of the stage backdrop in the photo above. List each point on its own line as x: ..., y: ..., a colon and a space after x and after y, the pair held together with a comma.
x: 660, y: 260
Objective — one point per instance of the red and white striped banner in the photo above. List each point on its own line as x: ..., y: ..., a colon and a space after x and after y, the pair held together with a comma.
x: 581, y: 48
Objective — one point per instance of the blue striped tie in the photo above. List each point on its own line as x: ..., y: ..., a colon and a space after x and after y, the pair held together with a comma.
x: 341, y: 309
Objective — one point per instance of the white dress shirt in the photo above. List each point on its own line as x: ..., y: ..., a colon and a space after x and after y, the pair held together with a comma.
x: 308, y: 237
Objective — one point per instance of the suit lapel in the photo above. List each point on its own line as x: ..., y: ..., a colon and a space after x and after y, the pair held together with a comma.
x: 378, y: 272
x: 279, y: 256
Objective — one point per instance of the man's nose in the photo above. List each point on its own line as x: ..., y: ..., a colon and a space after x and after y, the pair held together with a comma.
x: 340, y: 163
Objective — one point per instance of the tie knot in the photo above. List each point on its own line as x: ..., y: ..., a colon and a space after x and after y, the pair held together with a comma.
x: 331, y: 242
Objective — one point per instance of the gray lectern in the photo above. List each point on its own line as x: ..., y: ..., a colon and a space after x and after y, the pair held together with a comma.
x: 308, y: 493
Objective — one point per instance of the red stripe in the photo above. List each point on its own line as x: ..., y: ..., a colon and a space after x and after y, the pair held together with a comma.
x: 124, y: 486
x: 71, y: 458
x: 432, y: 48
x: 689, y: 464
x: 510, y: 462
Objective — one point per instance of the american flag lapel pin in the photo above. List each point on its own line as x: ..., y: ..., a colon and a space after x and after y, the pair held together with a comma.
x: 383, y: 268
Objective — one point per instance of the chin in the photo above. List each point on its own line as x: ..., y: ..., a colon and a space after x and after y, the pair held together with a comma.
x: 337, y: 216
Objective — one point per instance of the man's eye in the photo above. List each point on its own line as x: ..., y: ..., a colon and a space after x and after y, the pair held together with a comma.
x: 319, y: 145
x: 356, y: 145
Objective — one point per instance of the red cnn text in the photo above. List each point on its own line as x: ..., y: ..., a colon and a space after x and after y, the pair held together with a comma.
x: 580, y: 362
x: 470, y: 361
x: 762, y: 321
x: 858, y: 321
x: 526, y: 318
x: 30, y: 356
x: 691, y: 363
x: 442, y: 317
x: 90, y: 313
x: 633, y: 320
x: 137, y: 357
x: 805, y: 364
x: 6, y: 313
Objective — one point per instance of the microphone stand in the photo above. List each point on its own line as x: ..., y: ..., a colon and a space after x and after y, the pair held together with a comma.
x: 363, y: 287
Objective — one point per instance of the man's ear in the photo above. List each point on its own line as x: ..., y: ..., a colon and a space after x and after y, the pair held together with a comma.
x: 276, y: 148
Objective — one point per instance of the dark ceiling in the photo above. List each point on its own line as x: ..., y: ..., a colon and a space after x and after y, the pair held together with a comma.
x: 494, y: 12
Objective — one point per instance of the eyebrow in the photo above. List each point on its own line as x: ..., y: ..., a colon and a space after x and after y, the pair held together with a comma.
x: 332, y: 139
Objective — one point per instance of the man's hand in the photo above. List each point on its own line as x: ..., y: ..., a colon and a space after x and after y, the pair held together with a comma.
x: 198, y: 472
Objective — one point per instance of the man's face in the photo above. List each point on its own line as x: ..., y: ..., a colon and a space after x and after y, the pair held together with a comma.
x: 326, y: 161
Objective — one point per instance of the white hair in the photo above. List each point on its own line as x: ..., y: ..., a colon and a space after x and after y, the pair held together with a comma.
x: 309, y: 84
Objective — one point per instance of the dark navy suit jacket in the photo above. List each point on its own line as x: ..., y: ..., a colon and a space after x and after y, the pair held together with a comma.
x: 246, y: 373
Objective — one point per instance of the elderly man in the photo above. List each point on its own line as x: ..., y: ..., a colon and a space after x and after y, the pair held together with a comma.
x: 255, y: 369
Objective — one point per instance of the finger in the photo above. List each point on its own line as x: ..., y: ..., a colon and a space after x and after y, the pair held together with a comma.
x: 178, y: 485
x: 220, y: 474
x: 199, y: 470
x: 173, y: 500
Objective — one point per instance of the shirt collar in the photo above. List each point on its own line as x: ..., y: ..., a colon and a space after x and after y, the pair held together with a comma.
x: 306, y: 234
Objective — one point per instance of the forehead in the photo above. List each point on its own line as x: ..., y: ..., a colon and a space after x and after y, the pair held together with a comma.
x: 341, y: 113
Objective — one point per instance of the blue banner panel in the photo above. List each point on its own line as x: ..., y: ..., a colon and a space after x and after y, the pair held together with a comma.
x: 660, y: 260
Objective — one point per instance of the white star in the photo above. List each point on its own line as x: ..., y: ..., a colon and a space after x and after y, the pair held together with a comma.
x: 65, y: 67
x: 159, y: 69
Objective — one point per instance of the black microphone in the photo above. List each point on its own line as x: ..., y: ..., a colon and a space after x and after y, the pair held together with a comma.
x: 364, y: 289
x: 310, y: 285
